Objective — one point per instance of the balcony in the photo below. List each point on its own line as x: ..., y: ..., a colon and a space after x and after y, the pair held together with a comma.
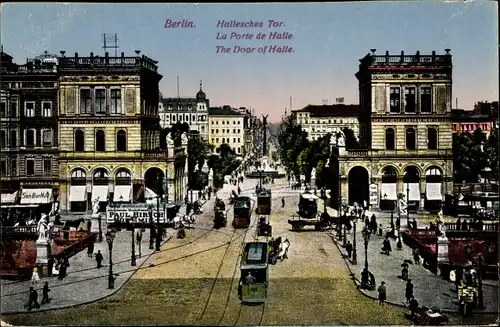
x: 107, y: 62
x: 407, y: 60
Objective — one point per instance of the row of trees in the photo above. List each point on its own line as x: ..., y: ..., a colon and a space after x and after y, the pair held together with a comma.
x: 199, y: 151
x: 475, y: 155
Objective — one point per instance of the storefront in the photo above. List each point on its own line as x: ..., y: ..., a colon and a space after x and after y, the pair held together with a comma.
x: 9, y: 198
x: 433, y: 185
x: 38, y: 201
x: 137, y: 213
x: 388, y: 189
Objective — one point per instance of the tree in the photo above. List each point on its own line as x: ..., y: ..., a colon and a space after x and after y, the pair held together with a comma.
x: 351, y: 141
x: 492, y: 154
x: 470, y: 156
x: 198, y: 152
x: 223, y: 164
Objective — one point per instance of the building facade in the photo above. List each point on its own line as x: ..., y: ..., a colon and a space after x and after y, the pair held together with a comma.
x: 29, y: 134
x: 467, y: 121
x: 227, y: 126
x: 193, y: 111
x: 109, y: 131
x: 319, y: 120
x: 406, y: 130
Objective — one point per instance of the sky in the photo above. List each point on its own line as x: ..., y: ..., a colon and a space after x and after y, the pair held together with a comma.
x: 328, y: 41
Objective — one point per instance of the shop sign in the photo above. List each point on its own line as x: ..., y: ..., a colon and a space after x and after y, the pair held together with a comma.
x: 373, y: 194
x: 135, y: 215
x: 35, y: 196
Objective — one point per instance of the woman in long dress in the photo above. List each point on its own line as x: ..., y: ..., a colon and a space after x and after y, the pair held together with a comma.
x: 35, y: 278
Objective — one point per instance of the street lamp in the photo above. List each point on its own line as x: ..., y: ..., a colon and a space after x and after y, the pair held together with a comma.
x: 151, y: 227
x: 158, y: 232
x: 366, y: 237
x: 354, y: 252
x: 132, y: 259
x: 110, y: 236
x: 408, y: 204
x: 480, y: 262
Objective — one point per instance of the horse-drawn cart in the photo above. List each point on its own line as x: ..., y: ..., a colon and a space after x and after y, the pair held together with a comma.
x: 427, y: 317
x: 320, y: 223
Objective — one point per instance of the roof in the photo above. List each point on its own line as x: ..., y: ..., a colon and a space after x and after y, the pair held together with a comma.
x: 183, y: 102
x: 462, y: 115
x: 331, y: 110
x: 223, y: 111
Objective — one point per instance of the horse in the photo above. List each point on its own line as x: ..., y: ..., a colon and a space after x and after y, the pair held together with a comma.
x: 283, y: 249
x: 188, y: 220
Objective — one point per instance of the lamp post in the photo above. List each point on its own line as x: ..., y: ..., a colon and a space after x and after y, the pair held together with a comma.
x: 100, y: 229
x: 110, y: 236
x: 158, y: 232
x: 394, y: 204
x: 480, y: 262
x: 132, y: 259
x: 354, y: 252
x: 366, y: 237
x: 408, y: 204
x: 151, y: 227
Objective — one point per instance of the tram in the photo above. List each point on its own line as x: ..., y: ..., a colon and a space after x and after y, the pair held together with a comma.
x: 264, y: 202
x: 254, y: 270
x: 308, y: 205
x: 242, y: 212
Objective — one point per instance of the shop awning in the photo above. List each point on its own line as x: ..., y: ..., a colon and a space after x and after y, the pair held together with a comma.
x: 100, y: 191
x: 433, y: 191
x: 77, y: 193
x: 414, y: 189
x: 8, y: 198
x: 389, y: 189
x: 123, y: 191
x: 36, y: 196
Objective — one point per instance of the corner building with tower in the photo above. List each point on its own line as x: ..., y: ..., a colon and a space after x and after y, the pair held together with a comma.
x: 405, y: 131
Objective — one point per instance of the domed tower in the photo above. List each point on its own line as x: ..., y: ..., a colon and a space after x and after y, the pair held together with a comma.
x: 201, y: 99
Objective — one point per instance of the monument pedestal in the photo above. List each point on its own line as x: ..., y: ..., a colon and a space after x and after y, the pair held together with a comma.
x: 442, y: 254
x: 43, y: 254
x: 95, y: 219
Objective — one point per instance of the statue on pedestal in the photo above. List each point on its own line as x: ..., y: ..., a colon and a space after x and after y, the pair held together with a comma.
x: 42, y: 229
x: 170, y: 141
x: 95, y: 207
x: 313, y: 175
x: 340, y: 139
x: 196, y: 167
x: 184, y: 138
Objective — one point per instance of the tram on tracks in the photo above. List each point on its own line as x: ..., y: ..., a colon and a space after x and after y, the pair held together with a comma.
x: 308, y: 205
x: 254, y: 269
x: 242, y: 210
x: 264, y: 202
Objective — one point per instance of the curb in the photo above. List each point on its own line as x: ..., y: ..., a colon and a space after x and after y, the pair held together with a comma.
x: 116, y: 289
x: 389, y: 302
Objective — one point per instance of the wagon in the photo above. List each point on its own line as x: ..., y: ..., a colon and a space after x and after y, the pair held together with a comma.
x: 320, y: 223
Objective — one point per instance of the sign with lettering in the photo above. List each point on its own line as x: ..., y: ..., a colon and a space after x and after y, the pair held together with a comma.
x: 373, y: 194
x: 36, y: 196
x: 135, y: 215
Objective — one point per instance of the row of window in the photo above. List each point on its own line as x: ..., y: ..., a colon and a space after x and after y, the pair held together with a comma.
x: 100, y: 141
x: 216, y: 131
x: 200, y: 106
x: 236, y: 150
x: 29, y: 138
x: 30, y: 167
x: 226, y: 140
x: 32, y: 85
x: 185, y: 117
x: 410, y: 97
x: 226, y: 122
x: 28, y: 109
x: 100, y: 100
x: 330, y: 129
x: 471, y: 127
x: 335, y: 121
x: 411, y: 139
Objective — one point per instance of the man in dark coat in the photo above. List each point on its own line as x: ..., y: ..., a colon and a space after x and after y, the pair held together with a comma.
x: 98, y: 259
x: 282, y: 202
x: 348, y: 248
x: 365, y: 276
x: 373, y: 224
x: 90, y: 249
x: 409, y: 291
x: 45, y: 293
x: 33, y: 299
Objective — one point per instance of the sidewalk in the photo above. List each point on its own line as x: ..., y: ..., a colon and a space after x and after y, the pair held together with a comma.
x: 84, y: 283
x: 429, y: 289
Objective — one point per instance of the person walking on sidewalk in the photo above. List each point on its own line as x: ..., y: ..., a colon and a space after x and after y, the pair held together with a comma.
x: 283, y: 202
x: 99, y: 258
x: 33, y: 299
x: 45, y: 293
x: 409, y: 291
x: 416, y: 256
x: 35, y: 278
x: 90, y: 249
x: 348, y: 248
x: 382, y: 293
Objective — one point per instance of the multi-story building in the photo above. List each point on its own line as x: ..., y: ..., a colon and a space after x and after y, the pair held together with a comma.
x: 468, y: 121
x: 29, y: 134
x: 406, y: 129
x: 319, y: 120
x: 193, y: 111
x: 227, y: 126
x: 110, y: 134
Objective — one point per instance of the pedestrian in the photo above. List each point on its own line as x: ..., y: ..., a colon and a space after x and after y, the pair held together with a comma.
x: 414, y: 223
x: 387, y: 246
x: 416, y: 256
x: 239, y: 190
x: 45, y: 293
x: 398, y: 223
x: 35, y: 278
x: 382, y: 293
x: 373, y: 224
x: 90, y: 249
x: 380, y: 230
x: 365, y: 277
x: 413, y: 306
x: 139, y: 237
x: 283, y: 202
x: 404, y: 271
x: 33, y: 299
x: 99, y: 258
x: 348, y: 248
x: 50, y: 266
x: 62, y: 270
x: 409, y: 291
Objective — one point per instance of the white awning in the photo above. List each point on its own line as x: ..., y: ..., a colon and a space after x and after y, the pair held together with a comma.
x: 100, y: 191
x: 433, y: 191
x: 123, y: 191
x: 414, y: 191
x: 36, y: 196
x: 77, y: 193
x: 389, y: 189
x: 151, y: 197
x: 9, y: 197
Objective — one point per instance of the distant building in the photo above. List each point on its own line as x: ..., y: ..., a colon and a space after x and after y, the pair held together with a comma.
x: 193, y: 111
x: 29, y: 134
x: 227, y: 126
x: 468, y: 121
x: 319, y: 120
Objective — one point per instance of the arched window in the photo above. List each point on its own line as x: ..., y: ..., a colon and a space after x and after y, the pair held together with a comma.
x: 121, y: 141
x: 123, y: 177
x: 410, y: 139
x: 432, y: 138
x: 389, y: 139
x: 78, y: 177
x: 79, y: 141
x: 13, y: 138
x: 100, y: 143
